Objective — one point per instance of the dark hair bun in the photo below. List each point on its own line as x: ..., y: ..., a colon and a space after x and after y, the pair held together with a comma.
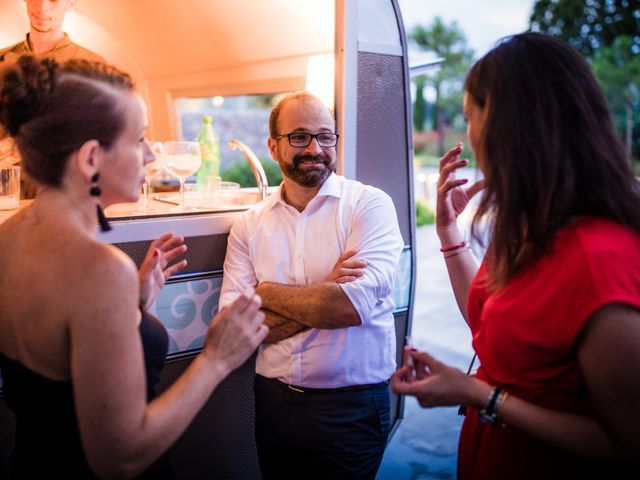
x: 24, y: 88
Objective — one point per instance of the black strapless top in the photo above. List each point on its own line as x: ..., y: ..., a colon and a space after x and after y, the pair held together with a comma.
x: 47, y: 436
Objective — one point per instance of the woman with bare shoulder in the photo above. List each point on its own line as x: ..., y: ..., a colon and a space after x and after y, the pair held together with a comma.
x: 78, y: 353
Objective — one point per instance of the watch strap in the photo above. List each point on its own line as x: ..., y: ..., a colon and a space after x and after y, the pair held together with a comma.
x: 489, y: 413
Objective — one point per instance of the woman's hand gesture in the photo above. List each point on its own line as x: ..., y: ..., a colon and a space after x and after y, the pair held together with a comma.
x: 452, y: 197
x: 155, y: 268
x: 236, y: 331
x: 432, y: 382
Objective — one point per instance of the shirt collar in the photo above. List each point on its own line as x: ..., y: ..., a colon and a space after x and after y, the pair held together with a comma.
x: 276, y: 198
x: 63, y: 42
x: 332, y: 187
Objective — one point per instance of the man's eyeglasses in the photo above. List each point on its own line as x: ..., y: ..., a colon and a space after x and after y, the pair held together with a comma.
x: 300, y: 139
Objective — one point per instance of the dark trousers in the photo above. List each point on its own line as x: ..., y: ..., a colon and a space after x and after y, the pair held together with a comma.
x: 331, y: 434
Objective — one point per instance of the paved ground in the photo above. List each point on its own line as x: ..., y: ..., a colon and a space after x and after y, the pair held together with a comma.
x: 425, y: 445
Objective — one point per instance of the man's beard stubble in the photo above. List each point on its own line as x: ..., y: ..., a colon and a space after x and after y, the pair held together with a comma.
x: 311, y: 177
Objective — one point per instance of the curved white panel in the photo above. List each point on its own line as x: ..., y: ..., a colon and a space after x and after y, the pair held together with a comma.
x: 378, y: 28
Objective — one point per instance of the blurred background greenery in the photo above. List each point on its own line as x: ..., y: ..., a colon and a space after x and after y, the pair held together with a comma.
x: 606, y: 32
x: 241, y: 172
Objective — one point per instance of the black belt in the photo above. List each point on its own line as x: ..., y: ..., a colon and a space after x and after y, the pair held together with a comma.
x: 351, y: 388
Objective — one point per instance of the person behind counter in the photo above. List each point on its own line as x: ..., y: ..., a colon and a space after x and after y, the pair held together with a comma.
x: 322, y: 253
x: 555, y: 307
x: 45, y: 39
x: 79, y: 362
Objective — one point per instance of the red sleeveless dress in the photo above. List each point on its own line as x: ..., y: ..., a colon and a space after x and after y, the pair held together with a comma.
x: 525, y: 337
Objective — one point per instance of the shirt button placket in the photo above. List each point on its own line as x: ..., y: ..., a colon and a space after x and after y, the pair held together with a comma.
x: 298, y: 260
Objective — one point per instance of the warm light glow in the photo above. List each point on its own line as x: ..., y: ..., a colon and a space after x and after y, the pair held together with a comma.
x: 217, y: 101
x: 320, y: 78
x: 87, y: 32
x: 72, y: 22
x: 84, y: 30
x: 14, y: 23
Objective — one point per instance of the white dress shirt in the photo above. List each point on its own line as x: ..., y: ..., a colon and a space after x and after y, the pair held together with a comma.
x: 274, y: 242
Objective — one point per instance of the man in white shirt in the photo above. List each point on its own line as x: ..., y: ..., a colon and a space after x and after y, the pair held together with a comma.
x: 322, y: 253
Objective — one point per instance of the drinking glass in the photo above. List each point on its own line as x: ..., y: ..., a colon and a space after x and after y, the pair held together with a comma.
x: 181, y: 159
x: 9, y: 187
x: 151, y: 170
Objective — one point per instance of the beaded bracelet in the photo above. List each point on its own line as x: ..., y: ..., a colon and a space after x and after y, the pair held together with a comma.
x: 450, y: 248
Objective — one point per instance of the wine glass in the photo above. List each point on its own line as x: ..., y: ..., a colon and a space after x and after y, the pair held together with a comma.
x: 182, y: 159
x: 151, y: 170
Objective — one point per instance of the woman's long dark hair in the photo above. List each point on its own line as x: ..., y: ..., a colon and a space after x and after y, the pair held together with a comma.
x: 549, y: 149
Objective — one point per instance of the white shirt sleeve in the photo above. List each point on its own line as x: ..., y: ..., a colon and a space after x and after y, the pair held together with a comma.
x: 238, y: 267
x: 375, y: 233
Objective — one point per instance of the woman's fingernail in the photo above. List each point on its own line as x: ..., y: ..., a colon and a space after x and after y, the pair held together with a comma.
x: 155, y: 253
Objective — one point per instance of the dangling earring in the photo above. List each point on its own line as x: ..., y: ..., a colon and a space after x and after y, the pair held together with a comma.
x: 96, y: 192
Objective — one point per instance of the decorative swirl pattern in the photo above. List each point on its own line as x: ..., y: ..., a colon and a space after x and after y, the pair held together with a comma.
x: 186, y: 309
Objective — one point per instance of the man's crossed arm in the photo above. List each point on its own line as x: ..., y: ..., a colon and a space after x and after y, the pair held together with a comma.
x: 290, y: 309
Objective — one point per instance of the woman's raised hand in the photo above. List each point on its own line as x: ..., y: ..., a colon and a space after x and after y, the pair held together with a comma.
x: 236, y: 331
x: 156, y: 268
x: 452, y: 197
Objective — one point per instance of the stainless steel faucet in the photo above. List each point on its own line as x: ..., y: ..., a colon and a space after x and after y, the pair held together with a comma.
x: 256, y: 166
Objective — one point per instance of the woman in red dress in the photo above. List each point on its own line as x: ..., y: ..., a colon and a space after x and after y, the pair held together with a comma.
x: 554, y: 308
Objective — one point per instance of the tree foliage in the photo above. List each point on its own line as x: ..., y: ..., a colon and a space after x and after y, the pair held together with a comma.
x: 618, y: 72
x: 419, y: 104
x: 589, y: 24
x: 607, y: 33
x: 449, y: 43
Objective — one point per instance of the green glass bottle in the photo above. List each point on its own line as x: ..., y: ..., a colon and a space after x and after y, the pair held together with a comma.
x: 210, y: 147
